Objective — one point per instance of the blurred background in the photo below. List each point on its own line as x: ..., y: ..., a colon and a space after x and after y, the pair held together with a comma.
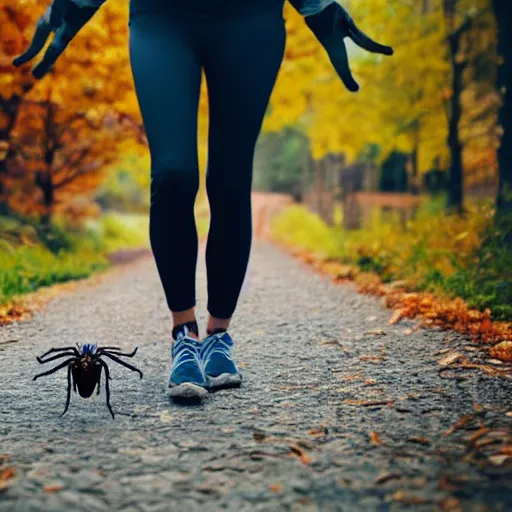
x: 404, y: 179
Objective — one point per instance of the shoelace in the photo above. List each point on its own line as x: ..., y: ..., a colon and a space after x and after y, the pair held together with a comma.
x: 185, y: 350
x: 216, y: 343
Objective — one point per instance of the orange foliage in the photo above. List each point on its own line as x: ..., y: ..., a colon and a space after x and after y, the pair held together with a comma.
x: 59, y: 135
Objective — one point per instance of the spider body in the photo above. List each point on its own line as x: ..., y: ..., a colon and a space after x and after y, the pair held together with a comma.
x: 85, y: 366
x: 86, y: 372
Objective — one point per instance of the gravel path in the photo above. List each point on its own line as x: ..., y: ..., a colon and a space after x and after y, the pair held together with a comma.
x: 338, y: 411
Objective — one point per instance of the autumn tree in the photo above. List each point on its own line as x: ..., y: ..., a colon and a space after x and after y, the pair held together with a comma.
x: 59, y: 155
x: 15, y: 34
x: 71, y: 123
x: 503, y: 13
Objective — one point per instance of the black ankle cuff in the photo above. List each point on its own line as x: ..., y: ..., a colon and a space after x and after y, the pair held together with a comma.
x: 191, y: 326
x: 215, y: 331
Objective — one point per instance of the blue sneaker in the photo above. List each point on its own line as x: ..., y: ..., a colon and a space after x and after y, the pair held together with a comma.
x: 219, y: 367
x: 188, y: 380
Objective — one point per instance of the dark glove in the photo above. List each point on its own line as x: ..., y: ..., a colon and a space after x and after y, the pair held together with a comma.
x: 330, y: 27
x: 64, y: 18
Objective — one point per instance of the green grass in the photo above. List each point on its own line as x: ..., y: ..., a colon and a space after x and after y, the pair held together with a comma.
x: 25, y: 269
x: 31, y: 261
x: 32, y: 257
x: 449, y: 255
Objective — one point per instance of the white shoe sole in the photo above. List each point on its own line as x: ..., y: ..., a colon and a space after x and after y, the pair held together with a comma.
x: 225, y: 380
x: 187, y: 390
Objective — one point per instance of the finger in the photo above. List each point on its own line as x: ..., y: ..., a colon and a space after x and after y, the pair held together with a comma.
x: 41, y: 35
x: 54, y: 51
x: 339, y: 59
x: 363, y: 40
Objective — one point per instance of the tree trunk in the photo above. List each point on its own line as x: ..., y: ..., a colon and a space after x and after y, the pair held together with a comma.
x: 455, y: 175
x: 503, y: 11
x: 318, y: 186
x: 328, y: 195
x: 10, y: 108
x: 45, y: 182
x: 414, y: 186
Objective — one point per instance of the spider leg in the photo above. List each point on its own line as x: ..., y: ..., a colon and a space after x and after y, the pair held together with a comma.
x: 53, y: 370
x: 99, y: 385
x: 117, y: 360
x: 68, y: 399
x: 58, y: 356
x: 73, y: 349
x: 107, y: 388
x: 117, y: 351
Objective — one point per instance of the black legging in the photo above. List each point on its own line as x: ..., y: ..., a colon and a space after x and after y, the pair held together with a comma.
x: 241, y: 53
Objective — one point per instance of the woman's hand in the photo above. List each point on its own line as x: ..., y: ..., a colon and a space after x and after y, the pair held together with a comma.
x: 331, y: 26
x: 64, y: 18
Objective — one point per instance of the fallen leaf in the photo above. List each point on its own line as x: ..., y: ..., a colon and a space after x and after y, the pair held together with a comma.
x: 485, y: 368
x: 6, y: 474
x: 486, y: 442
x: 375, y: 439
x: 506, y: 450
x: 53, y: 487
x: 386, y: 477
x: 496, y: 436
x: 502, y: 351
x: 371, y: 359
x: 275, y: 487
x: 293, y: 388
x: 459, y: 424
x: 477, y: 435
x: 376, y: 332
x: 396, y: 317
x: 318, y: 432
x: 450, y: 359
x: 450, y: 504
x: 368, y: 403
x: 409, y: 499
x: 300, y: 453
x: 351, y: 378
x: 499, y: 460
x: 419, y: 440
x: 335, y: 343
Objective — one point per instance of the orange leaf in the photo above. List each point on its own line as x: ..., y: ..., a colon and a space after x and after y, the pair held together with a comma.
x: 396, y: 317
x: 375, y: 439
x: 502, y: 351
x: 300, y: 453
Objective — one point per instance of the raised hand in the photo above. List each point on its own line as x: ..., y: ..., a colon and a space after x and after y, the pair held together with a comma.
x: 331, y: 26
x: 64, y: 18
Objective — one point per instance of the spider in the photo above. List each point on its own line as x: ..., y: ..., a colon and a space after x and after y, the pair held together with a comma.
x: 84, y: 368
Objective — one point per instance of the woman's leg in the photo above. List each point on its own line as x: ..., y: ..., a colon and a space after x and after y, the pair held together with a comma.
x: 242, y: 61
x: 167, y: 76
